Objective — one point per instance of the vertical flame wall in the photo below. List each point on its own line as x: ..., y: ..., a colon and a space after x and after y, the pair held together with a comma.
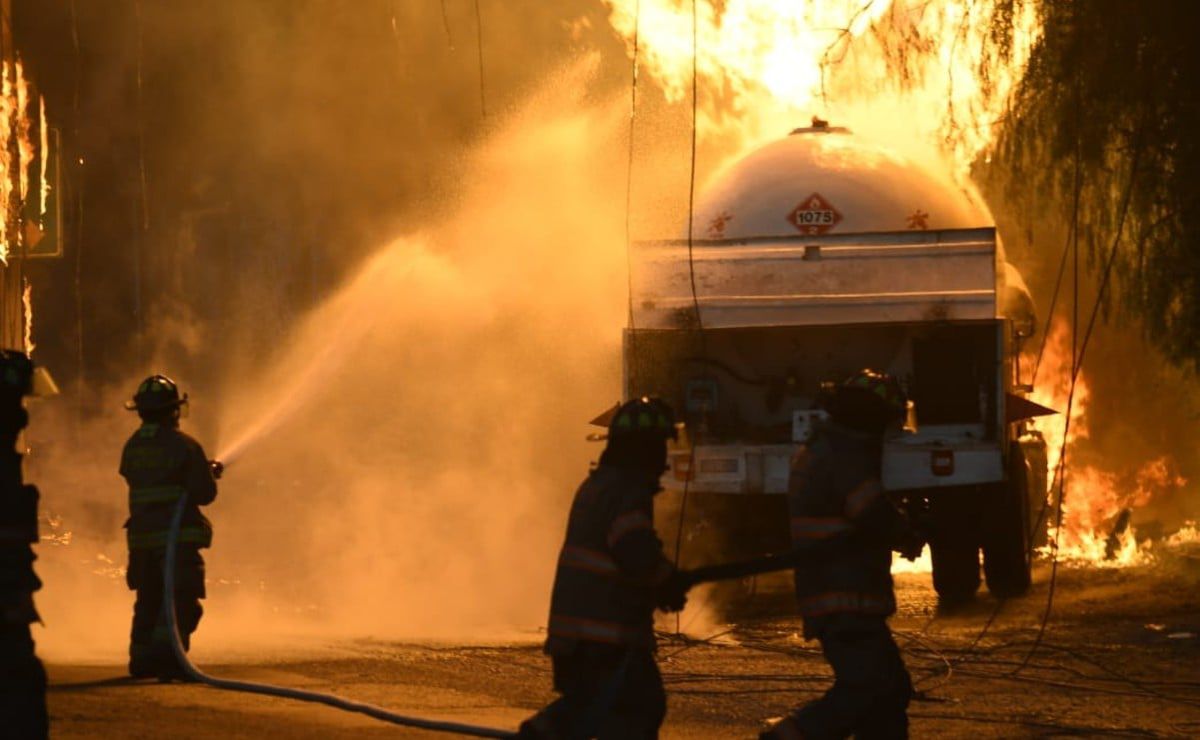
x: 21, y: 226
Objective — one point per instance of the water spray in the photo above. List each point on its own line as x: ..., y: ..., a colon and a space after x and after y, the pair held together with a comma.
x: 330, y: 700
x: 318, y: 370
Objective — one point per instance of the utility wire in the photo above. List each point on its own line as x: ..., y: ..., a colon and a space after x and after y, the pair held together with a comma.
x: 692, y: 185
x: 635, y: 364
x: 479, y: 46
x: 1070, y: 246
x: 695, y: 297
x: 145, y: 214
x: 1062, y: 268
x: 78, y: 193
x: 1072, y: 241
x: 138, y: 243
x: 1077, y: 367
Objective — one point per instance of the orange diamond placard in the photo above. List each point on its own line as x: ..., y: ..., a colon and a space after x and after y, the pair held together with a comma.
x: 814, y: 215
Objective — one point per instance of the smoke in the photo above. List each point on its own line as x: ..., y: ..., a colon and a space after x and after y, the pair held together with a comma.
x: 402, y: 463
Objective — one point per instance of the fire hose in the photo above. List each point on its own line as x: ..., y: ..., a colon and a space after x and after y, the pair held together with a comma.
x: 787, y: 560
x: 331, y: 700
x: 741, y: 569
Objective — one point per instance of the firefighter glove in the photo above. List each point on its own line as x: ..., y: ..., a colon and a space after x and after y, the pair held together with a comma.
x: 671, y: 594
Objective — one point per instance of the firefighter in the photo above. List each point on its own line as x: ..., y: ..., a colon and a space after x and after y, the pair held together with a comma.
x: 22, y: 676
x: 611, y: 575
x: 846, y: 528
x: 161, y: 464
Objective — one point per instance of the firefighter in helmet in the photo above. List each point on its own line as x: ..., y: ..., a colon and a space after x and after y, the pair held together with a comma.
x: 163, y: 466
x: 611, y: 575
x: 848, y: 527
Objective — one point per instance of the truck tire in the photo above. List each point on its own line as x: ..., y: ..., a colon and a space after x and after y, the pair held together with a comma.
x: 1007, y: 555
x: 954, y: 544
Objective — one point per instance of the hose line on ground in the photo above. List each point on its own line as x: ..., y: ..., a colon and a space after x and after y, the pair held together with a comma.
x: 331, y: 700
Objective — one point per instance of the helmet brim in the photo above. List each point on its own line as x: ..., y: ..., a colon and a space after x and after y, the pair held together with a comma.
x: 132, y: 405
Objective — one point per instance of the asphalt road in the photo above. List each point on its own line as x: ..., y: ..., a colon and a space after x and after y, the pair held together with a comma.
x: 1120, y: 658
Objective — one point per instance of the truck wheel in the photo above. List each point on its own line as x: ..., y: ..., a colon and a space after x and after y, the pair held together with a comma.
x: 954, y: 544
x: 1007, y: 559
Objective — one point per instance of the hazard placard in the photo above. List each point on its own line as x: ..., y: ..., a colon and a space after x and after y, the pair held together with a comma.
x: 814, y: 215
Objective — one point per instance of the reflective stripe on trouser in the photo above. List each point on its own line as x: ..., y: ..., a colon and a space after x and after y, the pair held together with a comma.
x: 835, y: 602
x: 157, y: 539
x: 594, y: 630
x: 155, y: 494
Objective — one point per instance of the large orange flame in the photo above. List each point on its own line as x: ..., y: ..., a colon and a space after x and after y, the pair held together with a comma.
x: 1092, y: 530
x: 27, y: 302
x: 22, y: 124
x: 891, y: 68
x: 15, y: 130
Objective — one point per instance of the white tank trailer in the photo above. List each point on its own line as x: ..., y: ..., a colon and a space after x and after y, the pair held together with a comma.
x: 813, y: 257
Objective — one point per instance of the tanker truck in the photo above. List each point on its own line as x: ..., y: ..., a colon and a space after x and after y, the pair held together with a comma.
x: 810, y: 258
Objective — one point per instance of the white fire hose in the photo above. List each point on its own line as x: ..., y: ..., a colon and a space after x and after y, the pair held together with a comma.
x: 331, y: 700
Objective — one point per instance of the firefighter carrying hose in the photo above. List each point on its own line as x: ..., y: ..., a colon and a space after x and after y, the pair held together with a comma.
x: 161, y: 464
x: 844, y: 588
x: 611, y: 575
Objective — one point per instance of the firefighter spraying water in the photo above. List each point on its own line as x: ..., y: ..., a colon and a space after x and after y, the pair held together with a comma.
x: 164, y: 467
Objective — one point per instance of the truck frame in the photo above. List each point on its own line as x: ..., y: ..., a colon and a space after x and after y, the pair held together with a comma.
x: 740, y: 334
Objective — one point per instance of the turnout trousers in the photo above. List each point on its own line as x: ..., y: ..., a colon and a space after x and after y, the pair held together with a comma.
x: 606, y: 692
x: 871, y: 688
x: 22, y: 684
x: 150, y: 652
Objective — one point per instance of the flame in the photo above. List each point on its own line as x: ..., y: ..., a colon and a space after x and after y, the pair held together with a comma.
x: 1091, y: 532
x: 7, y: 108
x: 1053, y: 388
x: 44, y: 156
x: 764, y: 65
x: 1188, y: 534
x: 25, y: 150
x: 14, y: 122
x: 27, y: 300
